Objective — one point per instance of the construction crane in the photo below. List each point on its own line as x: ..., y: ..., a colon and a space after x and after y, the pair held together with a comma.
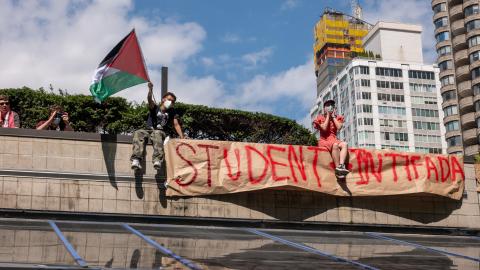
x: 356, y: 9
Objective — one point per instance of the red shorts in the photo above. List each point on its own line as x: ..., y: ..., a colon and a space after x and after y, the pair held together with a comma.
x: 328, y: 143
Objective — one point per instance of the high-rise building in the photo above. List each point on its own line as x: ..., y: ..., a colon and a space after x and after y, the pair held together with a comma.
x: 389, y: 104
x: 338, y: 38
x: 457, y: 31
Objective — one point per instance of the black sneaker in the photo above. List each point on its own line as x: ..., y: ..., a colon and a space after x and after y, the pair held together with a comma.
x: 341, y: 170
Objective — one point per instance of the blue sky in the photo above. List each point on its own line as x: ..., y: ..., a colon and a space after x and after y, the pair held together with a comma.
x: 250, y: 55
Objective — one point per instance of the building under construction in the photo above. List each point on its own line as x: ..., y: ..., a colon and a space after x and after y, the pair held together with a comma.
x: 338, y: 38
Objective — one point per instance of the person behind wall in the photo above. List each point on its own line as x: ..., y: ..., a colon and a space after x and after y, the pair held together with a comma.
x: 159, y: 117
x: 8, y: 118
x: 329, y: 123
x: 58, y: 120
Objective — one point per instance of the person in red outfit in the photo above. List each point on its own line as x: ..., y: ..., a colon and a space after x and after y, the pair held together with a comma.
x: 329, y: 123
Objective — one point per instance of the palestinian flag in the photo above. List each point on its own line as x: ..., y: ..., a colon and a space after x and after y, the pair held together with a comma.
x: 123, y: 67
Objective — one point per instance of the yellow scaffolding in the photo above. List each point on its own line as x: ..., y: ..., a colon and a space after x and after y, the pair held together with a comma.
x: 339, y: 29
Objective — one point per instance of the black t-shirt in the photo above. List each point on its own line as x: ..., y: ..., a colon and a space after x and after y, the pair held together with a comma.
x: 158, y: 119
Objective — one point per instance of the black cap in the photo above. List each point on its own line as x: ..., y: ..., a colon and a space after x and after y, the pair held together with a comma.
x: 328, y: 102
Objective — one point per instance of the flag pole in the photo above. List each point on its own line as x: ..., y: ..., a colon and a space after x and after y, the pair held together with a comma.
x: 164, y: 80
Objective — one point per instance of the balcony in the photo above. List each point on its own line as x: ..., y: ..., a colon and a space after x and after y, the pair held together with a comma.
x: 452, y: 134
x: 457, y: 27
x: 468, y: 121
x: 459, y: 42
x: 470, y: 137
x: 466, y: 105
x: 454, y: 149
x: 435, y: 2
x: 452, y: 3
x: 462, y: 73
x: 471, y: 150
x: 451, y: 118
x: 444, y: 58
x: 461, y: 57
x: 447, y: 88
x: 465, y: 89
x: 449, y: 103
x: 446, y: 72
x: 456, y: 12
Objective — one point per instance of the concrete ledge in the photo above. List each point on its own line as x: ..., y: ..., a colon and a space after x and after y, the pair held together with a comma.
x: 91, y: 176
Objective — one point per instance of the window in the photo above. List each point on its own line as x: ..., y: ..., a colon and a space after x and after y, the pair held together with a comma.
x: 447, y: 80
x: 422, y: 138
x: 452, y: 94
x: 391, y: 97
x: 391, y: 72
x: 392, y: 123
x: 365, y: 121
x: 452, y: 125
x: 428, y: 150
x: 473, y: 41
x: 401, y: 137
x: 425, y: 88
x: 418, y: 74
x: 364, y: 108
x: 391, y: 110
x: 477, y: 105
x: 447, y: 64
x: 424, y: 112
x: 442, y: 36
x: 475, y: 72
x: 424, y: 100
x: 471, y: 25
x: 396, y: 147
x: 439, y: 8
x: 364, y: 70
x: 391, y: 85
x: 454, y: 141
x: 444, y: 50
x: 475, y: 56
x: 366, y: 136
x: 364, y: 95
x: 470, y: 10
x: 450, y: 110
x: 440, y: 22
x: 476, y: 89
x: 364, y: 82
x: 426, y: 125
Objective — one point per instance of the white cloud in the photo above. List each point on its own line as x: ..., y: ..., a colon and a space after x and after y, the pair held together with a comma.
x: 407, y: 11
x: 257, y: 58
x: 289, y: 4
x: 294, y: 86
x: 230, y: 38
x: 207, y: 61
x: 62, y: 42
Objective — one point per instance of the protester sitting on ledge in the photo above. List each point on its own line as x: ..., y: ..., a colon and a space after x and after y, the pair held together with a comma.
x: 58, y: 120
x: 329, y: 123
x: 8, y: 118
x: 159, y: 117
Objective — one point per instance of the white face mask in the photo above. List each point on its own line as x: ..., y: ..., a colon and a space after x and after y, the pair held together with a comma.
x: 167, y: 104
x: 329, y: 108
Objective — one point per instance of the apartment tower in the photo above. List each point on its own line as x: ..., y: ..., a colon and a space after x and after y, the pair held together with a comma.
x: 457, y: 33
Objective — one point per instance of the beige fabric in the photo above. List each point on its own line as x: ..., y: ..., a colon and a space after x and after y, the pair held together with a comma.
x: 196, y: 167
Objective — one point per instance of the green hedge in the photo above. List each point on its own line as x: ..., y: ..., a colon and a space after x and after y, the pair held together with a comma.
x: 117, y: 116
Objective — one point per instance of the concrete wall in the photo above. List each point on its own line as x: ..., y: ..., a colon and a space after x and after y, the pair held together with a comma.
x: 71, y: 175
x: 395, y: 42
